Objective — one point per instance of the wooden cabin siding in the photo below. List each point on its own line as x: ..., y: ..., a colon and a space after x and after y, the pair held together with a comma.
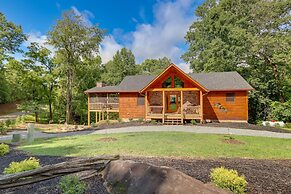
x: 235, y: 111
x: 128, y: 107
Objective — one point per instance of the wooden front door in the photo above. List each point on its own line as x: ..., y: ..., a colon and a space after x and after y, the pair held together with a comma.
x: 173, y: 102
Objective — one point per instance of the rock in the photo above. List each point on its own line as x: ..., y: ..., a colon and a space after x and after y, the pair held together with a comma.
x: 132, y: 177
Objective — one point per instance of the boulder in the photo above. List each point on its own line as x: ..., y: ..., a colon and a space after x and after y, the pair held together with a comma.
x: 125, y: 176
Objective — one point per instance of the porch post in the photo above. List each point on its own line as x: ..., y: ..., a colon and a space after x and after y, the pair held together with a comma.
x: 96, y: 119
x: 181, y: 106
x: 201, y: 107
x: 146, y: 105
x: 163, y: 106
x: 88, y: 110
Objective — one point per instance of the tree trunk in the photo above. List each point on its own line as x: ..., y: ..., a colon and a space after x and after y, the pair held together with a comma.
x: 69, y: 96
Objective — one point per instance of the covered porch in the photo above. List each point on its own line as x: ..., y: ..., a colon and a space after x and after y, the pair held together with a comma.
x: 174, y: 104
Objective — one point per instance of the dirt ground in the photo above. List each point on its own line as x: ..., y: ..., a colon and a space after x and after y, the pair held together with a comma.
x: 263, y: 176
x: 8, y: 107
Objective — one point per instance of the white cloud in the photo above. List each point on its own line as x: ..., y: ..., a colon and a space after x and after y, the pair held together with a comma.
x: 163, y: 37
x: 40, y: 39
x: 85, y: 15
x: 108, y: 48
x: 185, y: 67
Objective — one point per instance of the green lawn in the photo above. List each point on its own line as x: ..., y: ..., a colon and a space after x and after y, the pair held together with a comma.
x: 166, y: 144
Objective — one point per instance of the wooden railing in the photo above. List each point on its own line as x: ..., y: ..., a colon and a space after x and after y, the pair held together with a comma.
x: 103, y: 106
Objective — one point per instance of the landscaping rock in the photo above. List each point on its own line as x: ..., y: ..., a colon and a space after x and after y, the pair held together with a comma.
x: 133, y: 177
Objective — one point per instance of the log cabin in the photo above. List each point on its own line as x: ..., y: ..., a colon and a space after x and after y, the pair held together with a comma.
x: 173, y: 96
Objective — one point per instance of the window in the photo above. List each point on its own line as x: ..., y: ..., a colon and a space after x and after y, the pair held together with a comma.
x: 167, y: 83
x: 230, y: 97
x: 178, y: 82
x: 140, y: 100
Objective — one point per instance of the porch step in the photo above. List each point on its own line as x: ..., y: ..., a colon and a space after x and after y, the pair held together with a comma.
x: 173, y: 121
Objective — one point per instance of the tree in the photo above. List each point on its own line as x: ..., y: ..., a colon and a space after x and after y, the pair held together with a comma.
x: 40, y: 59
x: 11, y: 37
x: 123, y: 64
x: 154, y: 66
x: 248, y: 36
x: 75, y: 42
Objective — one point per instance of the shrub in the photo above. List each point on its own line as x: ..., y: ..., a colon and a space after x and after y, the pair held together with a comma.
x: 193, y: 122
x: 72, y: 185
x: 228, y: 179
x: 8, y: 123
x: 140, y: 119
x: 3, y: 128
x: 25, y: 165
x: 4, y: 149
x: 281, y: 111
x: 119, y: 120
x: 153, y: 122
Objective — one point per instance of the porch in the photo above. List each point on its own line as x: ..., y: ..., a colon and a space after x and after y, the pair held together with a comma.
x: 174, y: 104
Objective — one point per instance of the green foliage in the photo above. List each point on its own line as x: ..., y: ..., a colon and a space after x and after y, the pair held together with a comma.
x: 154, y: 122
x: 123, y: 64
x: 140, y: 120
x: 193, y: 122
x: 25, y: 165
x: 154, y: 66
x: 281, y: 111
x: 76, y: 45
x: 72, y: 185
x: 4, y: 149
x: 119, y: 120
x: 3, y: 127
x: 248, y: 36
x: 228, y: 179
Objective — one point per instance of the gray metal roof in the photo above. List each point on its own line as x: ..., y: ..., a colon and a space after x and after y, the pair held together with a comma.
x: 216, y: 81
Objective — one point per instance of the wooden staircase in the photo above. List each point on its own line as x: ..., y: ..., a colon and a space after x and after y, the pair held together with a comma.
x: 173, y: 121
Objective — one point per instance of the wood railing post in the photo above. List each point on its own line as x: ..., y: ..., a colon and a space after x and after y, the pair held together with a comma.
x: 89, y: 110
x: 163, y: 118
x: 181, y: 107
x: 201, y: 107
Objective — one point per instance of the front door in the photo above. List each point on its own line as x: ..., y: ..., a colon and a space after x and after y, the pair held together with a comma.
x: 173, y: 103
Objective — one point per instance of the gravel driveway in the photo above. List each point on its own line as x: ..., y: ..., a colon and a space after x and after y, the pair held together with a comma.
x: 195, y: 129
x: 153, y: 128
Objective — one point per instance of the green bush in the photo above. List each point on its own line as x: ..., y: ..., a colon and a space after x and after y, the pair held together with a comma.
x: 72, y: 185
x: 25, y: 165
x: 153, y: 122
x: 140, y: 119
x: 228, y: 179
x: 281, y: 111
x: 193, y: 122
x: 119, y: 120
x: 8, y: 123
x: 3, y: 128
x: 4, y: 149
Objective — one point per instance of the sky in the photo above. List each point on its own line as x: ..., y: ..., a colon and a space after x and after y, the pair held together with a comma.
x: 150, y: 28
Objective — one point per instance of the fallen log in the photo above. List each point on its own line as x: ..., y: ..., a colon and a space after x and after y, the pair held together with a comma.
x: 95, y: 164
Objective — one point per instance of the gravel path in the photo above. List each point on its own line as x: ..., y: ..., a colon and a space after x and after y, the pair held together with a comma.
x: 11, y: 116
x: 155, y: 128
x: 195, y: 129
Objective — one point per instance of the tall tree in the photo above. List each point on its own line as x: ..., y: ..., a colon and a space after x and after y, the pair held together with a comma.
x: 75, y: 41
x: 11, y: 37
x: 154, y: 66
x: 42, y: 58
x: 249, y: 36
x: 123, y: 64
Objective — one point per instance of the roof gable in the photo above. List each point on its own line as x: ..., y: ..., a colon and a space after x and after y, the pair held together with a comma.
x: 172, y: 70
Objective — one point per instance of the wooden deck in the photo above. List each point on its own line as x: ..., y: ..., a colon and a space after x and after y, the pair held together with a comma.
x: 174, y: 116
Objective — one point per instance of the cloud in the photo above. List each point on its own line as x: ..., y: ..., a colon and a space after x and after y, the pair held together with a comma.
x: 108, y: 48
x: 39, y: 38
x: 85, y: 15
x: 164, y: 36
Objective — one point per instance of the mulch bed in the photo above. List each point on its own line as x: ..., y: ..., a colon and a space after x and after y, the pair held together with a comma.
x: 263, y: 176
x: 232, y: 141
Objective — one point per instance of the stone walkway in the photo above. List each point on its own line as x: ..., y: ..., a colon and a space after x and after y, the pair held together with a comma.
x: 177, y: 128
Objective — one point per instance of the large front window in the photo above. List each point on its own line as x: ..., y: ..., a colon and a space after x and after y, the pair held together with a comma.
x: 170, y: 82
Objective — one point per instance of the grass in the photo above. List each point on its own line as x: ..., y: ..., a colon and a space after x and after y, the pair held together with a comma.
x: 164, y: 144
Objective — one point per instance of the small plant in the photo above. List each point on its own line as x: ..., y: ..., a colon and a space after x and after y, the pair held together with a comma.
x: 193, y: 122
x: 140, y: 120
x: 25, y: 165
x: 72, y: 185
x: 130, y: 119
x: 8, y: 123
x: 4, y: 149
x: 93, y: 125
x: 153, y: 122
x: 3, y: 128
x: 119, y: 120
x: 228, y: 179
x: 277, y: 125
